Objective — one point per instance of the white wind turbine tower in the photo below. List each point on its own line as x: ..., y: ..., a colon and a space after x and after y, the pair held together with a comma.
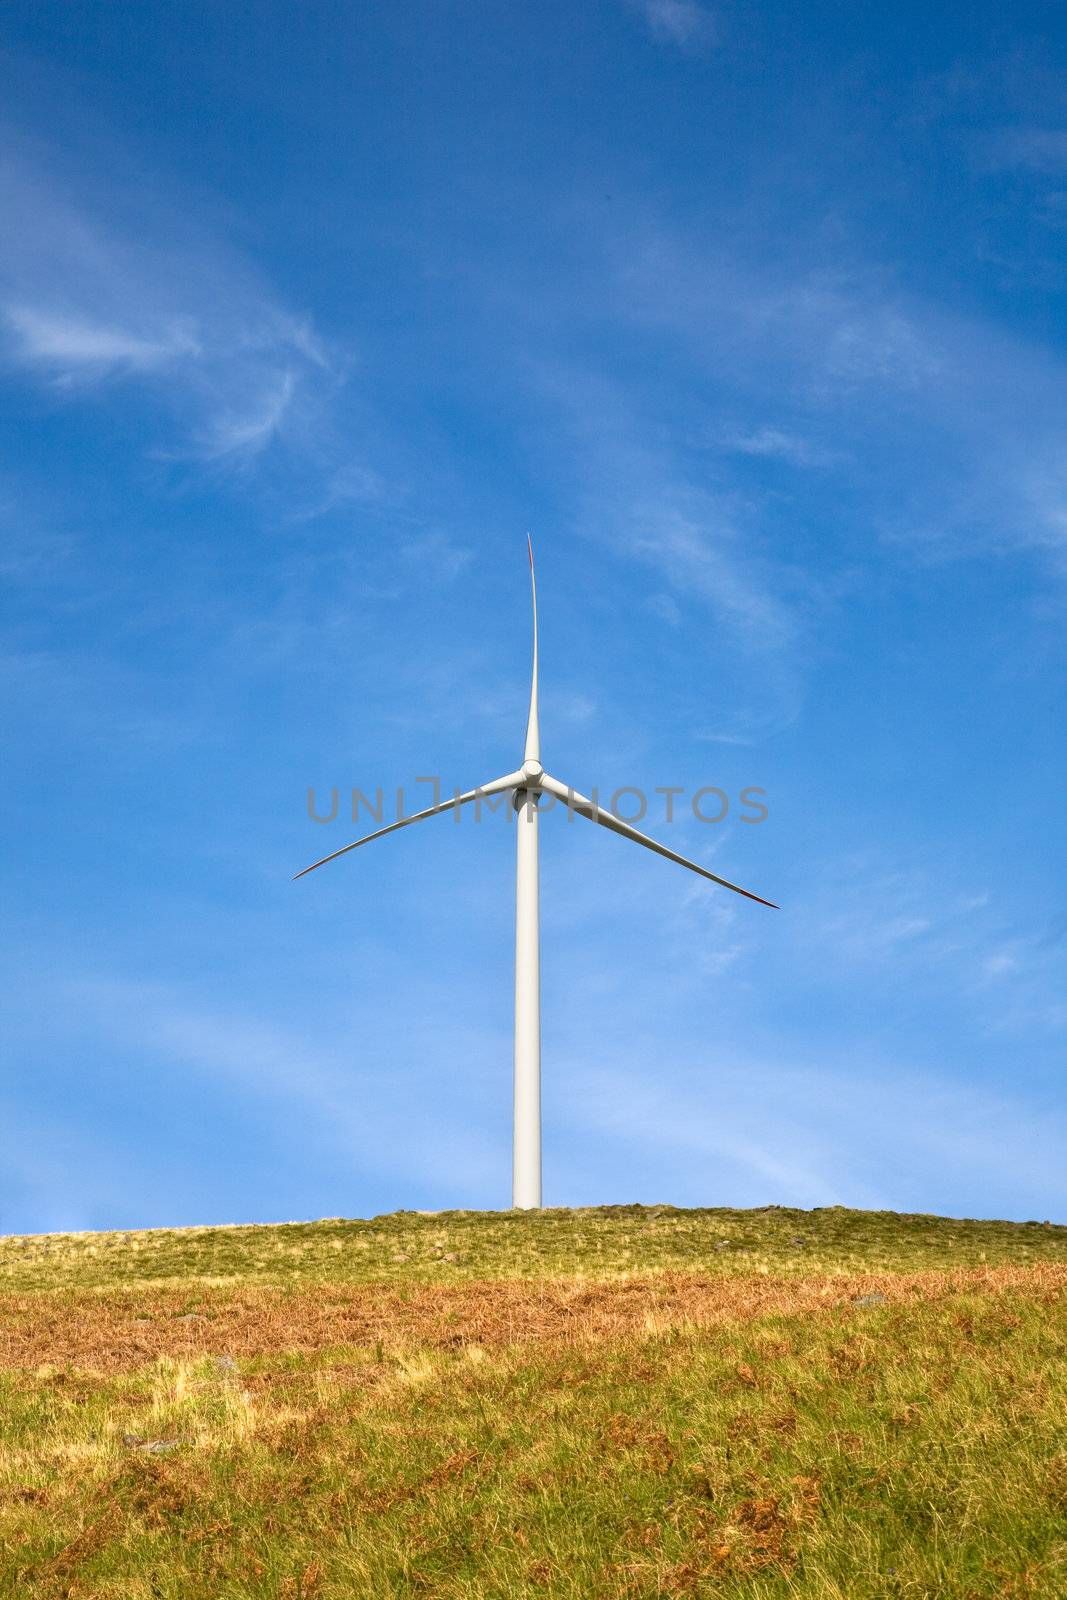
x: 528, y: 784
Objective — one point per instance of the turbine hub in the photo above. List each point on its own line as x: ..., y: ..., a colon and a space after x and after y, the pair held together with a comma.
x: 533, y: 770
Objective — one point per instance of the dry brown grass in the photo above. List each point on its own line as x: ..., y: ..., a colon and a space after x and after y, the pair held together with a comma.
x: 124, y: 1329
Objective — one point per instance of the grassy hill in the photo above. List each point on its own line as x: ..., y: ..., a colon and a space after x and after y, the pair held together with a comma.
x: 625, y: 1402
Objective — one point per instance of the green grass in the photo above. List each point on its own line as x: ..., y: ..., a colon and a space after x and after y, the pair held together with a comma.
x: 466, y: 1245
x: 915, y: 1447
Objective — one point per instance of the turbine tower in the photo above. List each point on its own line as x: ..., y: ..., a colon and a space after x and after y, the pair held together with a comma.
x: 527, y: 785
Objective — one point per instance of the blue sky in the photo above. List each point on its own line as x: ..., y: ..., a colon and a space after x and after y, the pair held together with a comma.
x: 755, y: 316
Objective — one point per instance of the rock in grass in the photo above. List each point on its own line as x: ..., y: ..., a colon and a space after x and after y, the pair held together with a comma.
x: 875, y: 1299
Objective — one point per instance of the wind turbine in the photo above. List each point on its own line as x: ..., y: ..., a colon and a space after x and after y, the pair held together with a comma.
x: 527, y: 784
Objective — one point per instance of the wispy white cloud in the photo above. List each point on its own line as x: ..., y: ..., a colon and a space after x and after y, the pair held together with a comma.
x: 800, y: 332
x: 254, y: 1057
x: 637, y: 497
x: 724, y: 738
x: 752, y: 1130
x: 703, y: 551
x: 85, y: 298
x: 249, y: 431
x: 999, y: 964
x: 914, y: 929
x: 680, y: 22
x: 437, y: 553
x: 701, y: 555
x: 790, y: 447
x: 828, y: 344
x: 571, y: 706
x: 67, y: 344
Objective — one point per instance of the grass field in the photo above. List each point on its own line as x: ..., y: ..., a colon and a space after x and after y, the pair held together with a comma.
x: 622, y: 1403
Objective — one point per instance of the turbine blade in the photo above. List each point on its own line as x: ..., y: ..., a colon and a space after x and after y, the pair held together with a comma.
x: 510, y: 781
x: 586, y: 808
x: 533, y: 732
